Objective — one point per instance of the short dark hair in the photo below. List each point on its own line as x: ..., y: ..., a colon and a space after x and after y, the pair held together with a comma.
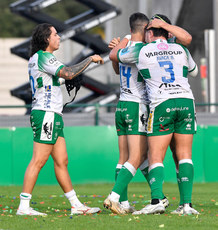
x: 160, y: 31
x: 40, y: 36
x: 136, y: 22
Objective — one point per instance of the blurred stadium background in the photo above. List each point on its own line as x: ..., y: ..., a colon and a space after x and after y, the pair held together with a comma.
x: 86, y: 27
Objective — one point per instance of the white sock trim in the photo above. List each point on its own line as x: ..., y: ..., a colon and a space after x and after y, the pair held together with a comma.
x: 25, y: 196
x: 144, y: 165
x: 114, y: 196
x: 130, y: 168
x: 155, y: 165
x: 189, y: 161
x: 70, y: 194
x: 119, y: 166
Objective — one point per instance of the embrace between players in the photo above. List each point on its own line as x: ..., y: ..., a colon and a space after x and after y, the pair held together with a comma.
x: 155, y: 110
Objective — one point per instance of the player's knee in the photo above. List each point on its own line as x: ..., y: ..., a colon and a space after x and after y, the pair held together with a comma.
x: 62, y: 162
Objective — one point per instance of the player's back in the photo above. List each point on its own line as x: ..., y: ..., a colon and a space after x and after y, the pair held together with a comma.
x: 132, y: 85
x: 165, y: 67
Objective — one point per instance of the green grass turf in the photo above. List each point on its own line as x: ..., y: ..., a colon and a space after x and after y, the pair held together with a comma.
x: 50, y: 199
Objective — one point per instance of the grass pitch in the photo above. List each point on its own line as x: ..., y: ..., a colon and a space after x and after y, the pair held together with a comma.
x: 50, y: 199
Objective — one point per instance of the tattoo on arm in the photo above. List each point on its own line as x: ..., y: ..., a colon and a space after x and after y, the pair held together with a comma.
x: 72, y: 71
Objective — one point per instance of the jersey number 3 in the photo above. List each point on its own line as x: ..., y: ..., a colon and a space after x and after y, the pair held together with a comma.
x: 168, y: 67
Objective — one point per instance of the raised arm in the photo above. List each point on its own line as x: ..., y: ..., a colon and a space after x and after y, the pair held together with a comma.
x: 182, y: 36
x: 120, y: 45
x: 70, y: 72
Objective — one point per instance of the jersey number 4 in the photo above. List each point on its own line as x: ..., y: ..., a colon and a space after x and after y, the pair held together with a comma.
x: 125, y: 72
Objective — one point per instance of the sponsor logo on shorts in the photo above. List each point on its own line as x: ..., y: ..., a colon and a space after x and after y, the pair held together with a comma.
x: 162, y: 128
x: 121, y: 110
x: 127, y: 120
x: 188, y: 127
x: 162, y: 119
x: 188, y: 119
x: 129, y: 127
x: 176, y: 109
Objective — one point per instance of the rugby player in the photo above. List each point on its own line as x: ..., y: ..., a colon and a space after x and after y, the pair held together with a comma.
x: 45, y: 73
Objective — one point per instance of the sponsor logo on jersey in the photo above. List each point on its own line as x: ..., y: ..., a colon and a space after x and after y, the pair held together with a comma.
x: 47, y: 96
x: 169, y: 86
x: 161, y: 53
x: 31, y: 65
x: 48, y: 88
x: 124, y: 51
x: 126, y: 90
x: 188, y: 127
x: 162, y: 46
x: 52, y: 60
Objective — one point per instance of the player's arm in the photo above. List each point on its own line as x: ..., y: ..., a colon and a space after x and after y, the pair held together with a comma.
x: 193, y: 68
x: 116, y: 67
x: 182, y: 36
x: 113, y: 43
x: 114, y: 51
x: 70, y: 72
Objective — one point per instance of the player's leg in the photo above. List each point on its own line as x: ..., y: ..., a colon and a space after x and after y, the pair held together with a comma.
x: 123, y: 157
x: 157, y: 148
x: 179, y: 210
x: 186, y: 170
x: 60, y: 157
x: 123, y: 145
x: 41, y: 153
x: 185, y: 127
x: 159, y: 133
x: 135, y: 128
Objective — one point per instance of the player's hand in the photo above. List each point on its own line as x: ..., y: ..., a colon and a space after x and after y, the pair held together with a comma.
x: 114, y: 42
x: 97, y: 59
x: 155, y: 23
